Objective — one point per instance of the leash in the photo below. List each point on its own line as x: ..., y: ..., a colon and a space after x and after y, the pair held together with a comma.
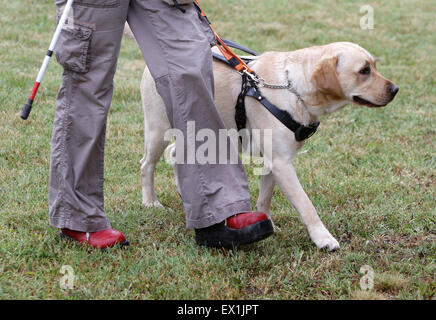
x: 251, y: 84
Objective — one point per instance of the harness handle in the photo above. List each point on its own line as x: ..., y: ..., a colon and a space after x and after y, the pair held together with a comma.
x: 233, y: 59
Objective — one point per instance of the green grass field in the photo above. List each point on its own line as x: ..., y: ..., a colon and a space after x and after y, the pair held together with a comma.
x: 370, y: 173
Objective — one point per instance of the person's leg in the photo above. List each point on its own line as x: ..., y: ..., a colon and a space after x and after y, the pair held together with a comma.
x: 88, y: 50
x: 178, y: 55
x: 176, y: 47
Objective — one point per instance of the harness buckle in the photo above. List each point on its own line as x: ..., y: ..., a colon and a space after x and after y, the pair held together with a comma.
x: 261, y: 82
x: 252, y: 76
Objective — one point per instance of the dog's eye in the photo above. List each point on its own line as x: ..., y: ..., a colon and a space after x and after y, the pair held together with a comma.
x: 365, y: 71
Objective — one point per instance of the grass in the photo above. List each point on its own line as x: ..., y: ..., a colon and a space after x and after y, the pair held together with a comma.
x: 370, y: 173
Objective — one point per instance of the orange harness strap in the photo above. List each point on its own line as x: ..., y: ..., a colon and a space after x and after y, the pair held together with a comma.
x: 230, y: 56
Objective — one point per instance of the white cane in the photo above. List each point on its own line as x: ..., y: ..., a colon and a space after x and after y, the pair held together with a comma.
x: 28, y: 106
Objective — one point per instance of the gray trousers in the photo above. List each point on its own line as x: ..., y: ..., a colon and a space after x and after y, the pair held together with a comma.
x: 176, y: 47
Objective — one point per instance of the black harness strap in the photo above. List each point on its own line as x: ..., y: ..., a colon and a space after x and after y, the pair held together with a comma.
x: 178, y: 6
x: 301, y: 132
x: 240, y: 113
x: 235, y: 45
x: 250, y: 88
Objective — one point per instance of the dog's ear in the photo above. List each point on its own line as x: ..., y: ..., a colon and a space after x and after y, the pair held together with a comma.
x: 325, y: 77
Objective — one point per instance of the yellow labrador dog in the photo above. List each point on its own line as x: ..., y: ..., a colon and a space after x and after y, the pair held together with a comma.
x: 326, y: 77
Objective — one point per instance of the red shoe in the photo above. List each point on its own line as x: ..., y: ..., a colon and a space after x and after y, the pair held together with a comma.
x: 240, y: 229
x: 100, y: 239
x: 243, y: 220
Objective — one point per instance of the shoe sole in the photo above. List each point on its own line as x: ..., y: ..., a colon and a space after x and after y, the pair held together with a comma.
x: 230, y: 239
x: 121, y: 244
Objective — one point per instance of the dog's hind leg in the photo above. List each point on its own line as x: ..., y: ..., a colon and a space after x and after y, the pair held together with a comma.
x: 170, y: 157
x: 154, y: 148
x: 156, y: 124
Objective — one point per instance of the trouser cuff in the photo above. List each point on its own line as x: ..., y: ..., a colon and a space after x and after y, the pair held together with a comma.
x: 103, y: 224
x: 220, y: 215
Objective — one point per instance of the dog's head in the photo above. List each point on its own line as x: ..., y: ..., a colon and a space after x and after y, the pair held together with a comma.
x: 348, y: 72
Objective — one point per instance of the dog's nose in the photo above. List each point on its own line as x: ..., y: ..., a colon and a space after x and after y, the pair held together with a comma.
x: 393, y: 90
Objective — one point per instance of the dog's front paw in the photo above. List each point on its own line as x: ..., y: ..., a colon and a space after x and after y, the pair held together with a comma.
x: 323, y: 239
